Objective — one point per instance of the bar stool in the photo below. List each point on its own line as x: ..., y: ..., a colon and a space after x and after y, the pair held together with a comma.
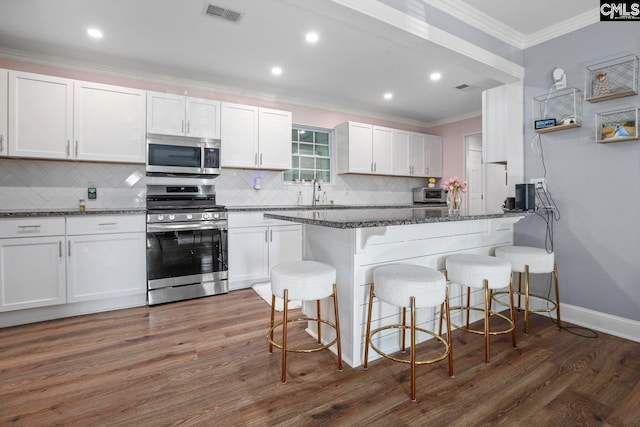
x: 304, y: 281
x: 530, y: 260
x: 486, y: 273
x: 415, y: 287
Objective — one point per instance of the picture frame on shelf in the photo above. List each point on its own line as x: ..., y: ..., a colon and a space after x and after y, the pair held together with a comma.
x: 617, y: 126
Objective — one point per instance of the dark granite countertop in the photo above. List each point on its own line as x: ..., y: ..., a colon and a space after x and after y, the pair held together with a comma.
x: 315, y: 208
x: 25, y: 213
x: 373, y: 217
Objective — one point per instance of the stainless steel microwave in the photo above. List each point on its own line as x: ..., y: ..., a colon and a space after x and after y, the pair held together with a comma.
x: 429, y: 195
x: 181, y: 156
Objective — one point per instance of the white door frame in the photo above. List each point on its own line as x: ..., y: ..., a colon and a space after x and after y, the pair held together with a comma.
x: 468, y: 145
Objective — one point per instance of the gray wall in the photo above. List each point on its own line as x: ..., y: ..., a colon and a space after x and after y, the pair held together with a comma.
x: 596, y: 186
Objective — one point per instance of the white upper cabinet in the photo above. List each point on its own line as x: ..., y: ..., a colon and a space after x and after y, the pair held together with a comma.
x: 40, y: 116
x: 109, y: 123
x: 354, y: 142
x: 55, y: 118
x: 434, y: 156
x: 402, y: 149
x: 255, y: 138
x: 4, y: 102
x: 382, y: 150
x: 169, y: 114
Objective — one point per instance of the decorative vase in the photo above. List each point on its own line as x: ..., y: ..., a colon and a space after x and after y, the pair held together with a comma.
x: 454, y: 201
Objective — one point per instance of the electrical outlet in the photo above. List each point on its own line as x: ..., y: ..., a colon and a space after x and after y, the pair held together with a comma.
x: 539, y: 182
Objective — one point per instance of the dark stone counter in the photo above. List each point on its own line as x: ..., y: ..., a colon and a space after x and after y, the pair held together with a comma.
x: 68, y: 212
x: 374, y: 217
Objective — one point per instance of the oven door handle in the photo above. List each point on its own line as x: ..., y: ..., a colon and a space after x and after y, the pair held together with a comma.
x: 218, y: 225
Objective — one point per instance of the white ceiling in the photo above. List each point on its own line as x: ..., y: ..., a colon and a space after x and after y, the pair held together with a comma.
x: 358, y: 58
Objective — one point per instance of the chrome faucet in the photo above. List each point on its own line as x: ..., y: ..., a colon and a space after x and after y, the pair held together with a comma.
x: 316, y: 194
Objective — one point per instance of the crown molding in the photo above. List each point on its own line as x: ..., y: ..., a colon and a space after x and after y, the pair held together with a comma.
x: 580, y: 21
x: 465, y: 12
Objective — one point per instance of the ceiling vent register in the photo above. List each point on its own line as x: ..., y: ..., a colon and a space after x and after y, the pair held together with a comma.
x: 223, y: 13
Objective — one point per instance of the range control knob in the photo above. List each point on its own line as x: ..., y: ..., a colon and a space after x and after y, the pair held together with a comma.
x: 216, y: 215
x: 189, y: 216
x: 206, y: 215
x: 172, y: 217
x: 160, y: 217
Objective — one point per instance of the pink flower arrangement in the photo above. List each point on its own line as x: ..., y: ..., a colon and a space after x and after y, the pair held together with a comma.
x: 455, y: 184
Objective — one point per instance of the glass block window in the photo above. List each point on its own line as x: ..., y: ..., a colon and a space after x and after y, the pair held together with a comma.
x: 311, y: 155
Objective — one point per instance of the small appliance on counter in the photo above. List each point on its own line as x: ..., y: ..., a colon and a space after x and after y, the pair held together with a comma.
x: 429, y: 196
x: 525, y: 199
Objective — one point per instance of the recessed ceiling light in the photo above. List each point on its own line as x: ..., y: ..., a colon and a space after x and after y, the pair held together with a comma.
x: 435, y: 76
x: 312, y: 37
x: 388, y: 95
x: 94, y: 33
x: 276, y: 71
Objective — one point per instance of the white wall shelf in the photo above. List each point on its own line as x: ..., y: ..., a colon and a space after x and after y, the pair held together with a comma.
x: 617, y: 126
x: 565, y: 106
x: 615, y: 78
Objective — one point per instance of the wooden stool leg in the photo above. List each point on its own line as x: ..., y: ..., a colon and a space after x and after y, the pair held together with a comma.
x: 368, y: 333
x: 337, y: 316
x: 487, y: 341
x: 468, y: 305
x: 519, y: 290
x: 412, y: 352
x: 284, y: 336
x: 555, y: 277
x: 526, y: 299
x: 271, y: 322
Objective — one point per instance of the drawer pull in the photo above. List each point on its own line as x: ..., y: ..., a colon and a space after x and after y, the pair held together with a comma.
x: 104, y: 224
x: 23, y: 227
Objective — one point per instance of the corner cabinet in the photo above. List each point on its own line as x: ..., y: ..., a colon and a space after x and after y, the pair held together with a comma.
x: 56, y: 118
x: 4, y: 101
x: 32, y: 263
x: 169, y: 114
x: 255, y: 137
x: 257, y: 244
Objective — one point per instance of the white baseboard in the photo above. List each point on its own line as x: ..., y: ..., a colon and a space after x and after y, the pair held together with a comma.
x: 607, y: 323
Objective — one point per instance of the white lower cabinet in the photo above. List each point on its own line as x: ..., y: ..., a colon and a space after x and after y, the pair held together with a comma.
x: 99, y: 257
x: 32, y: 263
x: 257, y: 244
x: 106, y: 257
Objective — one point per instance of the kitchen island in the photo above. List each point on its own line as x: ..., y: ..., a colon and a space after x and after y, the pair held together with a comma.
x: 356, y: 241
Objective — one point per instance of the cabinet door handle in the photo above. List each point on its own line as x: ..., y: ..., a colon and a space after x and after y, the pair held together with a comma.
x: 271, y: 235
x: 69, y: 247
x: 76, y: 148
x: 1, y: 140
x: 260, y: 159
x: 66, y: 151
x: 255, y: 159
x: 59, y: 249
x: 375, y: 166
x: 188, y: 126
x: 23, y: 227
x: 266, y: 236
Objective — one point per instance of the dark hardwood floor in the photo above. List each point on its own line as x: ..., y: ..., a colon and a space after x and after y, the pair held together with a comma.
x: 205, y: 362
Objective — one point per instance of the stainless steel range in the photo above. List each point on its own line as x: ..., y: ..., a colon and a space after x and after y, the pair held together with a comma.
x: 186, y: 243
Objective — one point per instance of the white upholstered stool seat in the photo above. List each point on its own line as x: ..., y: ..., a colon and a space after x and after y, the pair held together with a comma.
x: 409, y: 286
x: 486, y: 273
x: 304, y: 281
x: 531, y: 260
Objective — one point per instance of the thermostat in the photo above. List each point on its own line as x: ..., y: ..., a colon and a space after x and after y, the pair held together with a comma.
x: 545, y: 123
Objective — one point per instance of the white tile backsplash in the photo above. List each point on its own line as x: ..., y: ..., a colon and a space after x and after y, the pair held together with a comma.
x: 44, y: 184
